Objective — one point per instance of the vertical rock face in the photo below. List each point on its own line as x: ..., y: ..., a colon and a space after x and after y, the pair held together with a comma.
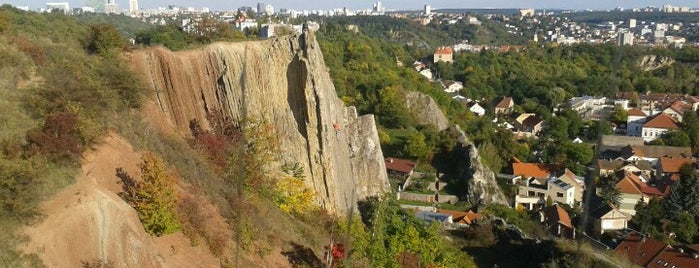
x: 482, y: 186
x: 283, y: 81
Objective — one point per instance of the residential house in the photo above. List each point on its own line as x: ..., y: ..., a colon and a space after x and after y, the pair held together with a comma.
x: 657, y: 126
x: 557, y: 221
x: 652, y: 253
x: 505, y: 106
x: 634, y: 122
x: 529, y: 123
x: 608, y: 167
x: 611, y: 145
x: 427, y: 73
x: 639, y: 167
x: 578, y: 182
x: 461, y: 218
x: 419, y: 66
x: 670, y: 166
x: 561, y: 191
x: 453, y: 87
x: 476, y: 108
x: 445, y: 54
x: 676, y: 109
x: 633, y: 189
x: 653, y: 153
x: 640, y: 249
x: 609, y: 218
x: 532, y: 181
x: 400, y: 167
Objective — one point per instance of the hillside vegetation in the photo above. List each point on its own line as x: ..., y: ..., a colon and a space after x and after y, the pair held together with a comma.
x: 65, y: 84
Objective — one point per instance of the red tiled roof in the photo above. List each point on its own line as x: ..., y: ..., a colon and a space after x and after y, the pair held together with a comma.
x: 662, y: 120
x: 631, y: 184
x: 505, y: 103
x: 400, y: 165
x: 466, y: 217
x: 640, y: 250
x: 673, y: 164
x: 444, y: 50
x: 556, y: 214
x: 636, y: 112
x: 533, y: 170
x: 671, y: 257
x: 655, y: 151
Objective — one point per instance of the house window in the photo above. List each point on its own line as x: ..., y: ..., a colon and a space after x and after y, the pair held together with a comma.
x: 559, y: 194
x: 540, y: 195
x: 531, y: 193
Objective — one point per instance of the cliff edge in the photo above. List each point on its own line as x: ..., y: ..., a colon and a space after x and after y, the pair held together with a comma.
x: 283, y: 81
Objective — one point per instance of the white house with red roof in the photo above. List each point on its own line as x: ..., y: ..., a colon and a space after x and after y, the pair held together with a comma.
x: 445, y: 54
x: 634, y: 122
x: 657, y: 126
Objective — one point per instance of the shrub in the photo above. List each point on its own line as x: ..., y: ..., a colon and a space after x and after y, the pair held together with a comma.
x: 154, y: 198
x: 59, y: 138
x: 291, y: 193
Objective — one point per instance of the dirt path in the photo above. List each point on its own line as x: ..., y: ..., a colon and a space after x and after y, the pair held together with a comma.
x: 88, y: 221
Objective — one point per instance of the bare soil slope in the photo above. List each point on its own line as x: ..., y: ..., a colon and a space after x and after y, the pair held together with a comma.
x: 88, y: 221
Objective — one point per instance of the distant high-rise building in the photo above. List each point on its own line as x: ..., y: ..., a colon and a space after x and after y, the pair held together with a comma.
x: 428, y: 10
x: 625, y: 39
x: 269, y: 10
x: 261, y: 8
x: 632, y: 23
x: 98, y: 5
x: 111, y: 7
x: 63, y: 7
x: 378, y: 7
x: 133, y: 6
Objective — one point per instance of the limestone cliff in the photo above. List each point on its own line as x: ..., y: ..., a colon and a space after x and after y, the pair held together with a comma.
x: 283, y: 81
x: 482, y: 187
x: 654, y: 62
x: 426, y: 110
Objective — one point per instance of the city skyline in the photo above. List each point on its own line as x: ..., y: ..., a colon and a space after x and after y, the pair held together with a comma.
x: 389, y: 4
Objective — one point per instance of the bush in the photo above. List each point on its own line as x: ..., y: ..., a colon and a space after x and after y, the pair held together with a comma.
x: 154, y: 197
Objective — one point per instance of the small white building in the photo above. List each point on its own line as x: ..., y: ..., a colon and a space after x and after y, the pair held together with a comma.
x: 477, y: 109
x: 427, y: 73
x: 609, y: 218
x: 453, y: 86
x: 634, y: 122
x: 561, y: 192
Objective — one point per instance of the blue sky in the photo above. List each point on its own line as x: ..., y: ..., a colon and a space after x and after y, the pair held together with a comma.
x: 389, y: 4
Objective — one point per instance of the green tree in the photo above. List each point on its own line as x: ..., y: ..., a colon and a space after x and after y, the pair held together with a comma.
x: 154, y: 198
x: 103, y: 39
x: 609, y: 193
x: 391, y: 109
x: 673, y: 138
x: 648, y: 218
x: 619, y: 114
x: 684, y: 194
x: 415, y: 146
x: 684, y: 227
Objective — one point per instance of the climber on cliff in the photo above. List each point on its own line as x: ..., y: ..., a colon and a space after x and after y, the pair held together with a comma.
x: 336, y: 126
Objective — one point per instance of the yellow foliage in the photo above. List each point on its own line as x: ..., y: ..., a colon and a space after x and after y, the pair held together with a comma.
x: 292, y: 195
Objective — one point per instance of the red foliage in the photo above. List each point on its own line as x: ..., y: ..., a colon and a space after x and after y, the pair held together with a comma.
x: 338, y: 253
x: 218, y: 142
x: 59, y: 138
x: 37, y: 53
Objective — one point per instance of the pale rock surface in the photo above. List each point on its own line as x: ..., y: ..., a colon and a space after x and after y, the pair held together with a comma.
x: 283, y: 81
x: 426, y: 110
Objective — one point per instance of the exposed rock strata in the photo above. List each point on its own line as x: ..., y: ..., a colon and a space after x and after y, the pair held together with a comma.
x: 654, y: 62
x: 283, y: 81
x: 482, y: 187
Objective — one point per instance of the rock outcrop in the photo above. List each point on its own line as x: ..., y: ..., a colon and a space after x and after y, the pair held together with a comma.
x: 426, y: 110
x: 482, y: 187
x: 283, y: 81
x: 654, y: 62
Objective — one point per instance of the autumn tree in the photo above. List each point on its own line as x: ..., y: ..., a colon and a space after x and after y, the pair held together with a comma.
x: 291, y: 193
x: 154, y: 197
